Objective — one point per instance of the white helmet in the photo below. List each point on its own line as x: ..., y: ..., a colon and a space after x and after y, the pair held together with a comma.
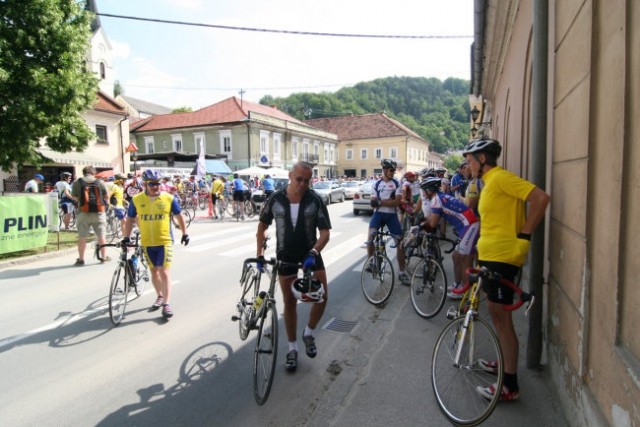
x: 308, y: 289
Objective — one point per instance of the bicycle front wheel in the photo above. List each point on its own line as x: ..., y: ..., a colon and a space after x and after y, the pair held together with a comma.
x: 456, y: 384
x: 377, y: 279
x: 118, y: 294
x: 141, y: 276
x: 265, y: 354
x: 428, y: 288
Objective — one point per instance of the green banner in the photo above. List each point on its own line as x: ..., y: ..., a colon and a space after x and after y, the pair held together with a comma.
x: 23, y: 222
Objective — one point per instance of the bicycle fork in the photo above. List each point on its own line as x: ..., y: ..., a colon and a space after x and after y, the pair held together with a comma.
x: 461, y: 337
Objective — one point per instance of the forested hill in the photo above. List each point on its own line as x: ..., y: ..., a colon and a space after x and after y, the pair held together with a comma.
x: 436, y: 110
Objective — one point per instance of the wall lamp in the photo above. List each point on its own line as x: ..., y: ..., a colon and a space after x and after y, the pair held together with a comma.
x: 475, y: 113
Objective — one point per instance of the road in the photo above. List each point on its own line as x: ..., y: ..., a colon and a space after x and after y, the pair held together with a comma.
x: 64, y: 363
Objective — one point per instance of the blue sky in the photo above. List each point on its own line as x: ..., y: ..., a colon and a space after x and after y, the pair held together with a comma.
x: 176, y: 65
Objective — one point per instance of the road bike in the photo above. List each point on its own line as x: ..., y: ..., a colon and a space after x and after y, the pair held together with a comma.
x: 256, y: 310
x: 114, y: 227
x: 220, y: 206
x: 131, y: 274
x: 378, y: 277
x: 459, y: 364
x: 72, y: 217
x: 429, y: 279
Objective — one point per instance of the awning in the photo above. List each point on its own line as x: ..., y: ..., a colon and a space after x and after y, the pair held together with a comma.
x: 74, y: 158
x: 217, y: 167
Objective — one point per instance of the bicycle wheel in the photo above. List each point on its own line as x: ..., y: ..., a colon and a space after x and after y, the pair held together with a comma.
x: 265, y: 354
x: 118, y: 294
x: 141, y: 277
x: 413, y: 258
x: 188, y: 217
x: 222, y: 209
x: 249, y: 208
x: 455, y: 384
x: 428, y: 288
x: 377, y: 283
x: 245, y: 305
x: 203, y: 202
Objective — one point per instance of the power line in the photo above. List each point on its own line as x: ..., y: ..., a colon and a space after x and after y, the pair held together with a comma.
x: 300, y: 33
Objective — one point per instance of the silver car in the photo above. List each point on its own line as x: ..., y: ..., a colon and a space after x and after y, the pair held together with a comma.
x: 351, y: 188
x: 331, y: 189
x: 362, y: 199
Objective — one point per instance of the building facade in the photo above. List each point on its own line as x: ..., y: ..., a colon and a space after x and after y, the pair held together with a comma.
x: 556, y: 82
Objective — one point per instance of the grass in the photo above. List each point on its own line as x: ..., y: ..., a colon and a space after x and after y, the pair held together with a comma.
x: 55, y: 242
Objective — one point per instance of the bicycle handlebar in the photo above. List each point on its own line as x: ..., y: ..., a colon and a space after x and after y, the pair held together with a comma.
x: 485, y: 273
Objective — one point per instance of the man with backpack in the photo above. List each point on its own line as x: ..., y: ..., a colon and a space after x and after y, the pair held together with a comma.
x: 92, y: 197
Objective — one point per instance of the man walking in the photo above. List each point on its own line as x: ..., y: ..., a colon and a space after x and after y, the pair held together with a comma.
x: 91, y: 195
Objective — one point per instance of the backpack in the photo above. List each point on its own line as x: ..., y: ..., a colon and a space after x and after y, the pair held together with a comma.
x: 91, y: 196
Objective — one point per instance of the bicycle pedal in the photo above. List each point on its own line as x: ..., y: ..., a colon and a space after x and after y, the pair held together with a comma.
x: 452, y: 313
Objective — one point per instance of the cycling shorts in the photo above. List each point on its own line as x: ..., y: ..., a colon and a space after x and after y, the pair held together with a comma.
x: 496, y: 292
x: 390, y: 220
x: 159, y: 256
x: 67, y: 207
x: 468, y: 239
x: 119, y: 213
x: 291, y: 270
x: 238, y: 196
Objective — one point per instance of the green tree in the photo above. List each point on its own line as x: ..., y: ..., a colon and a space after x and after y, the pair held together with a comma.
x: 118, y: 89
x: 44, y: 81
x: 184, y: 109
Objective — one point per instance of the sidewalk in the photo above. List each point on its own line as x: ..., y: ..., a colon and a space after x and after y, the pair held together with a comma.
x: 388, y: 380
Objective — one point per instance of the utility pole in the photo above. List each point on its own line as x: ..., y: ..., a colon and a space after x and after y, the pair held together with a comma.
x: 242, y: 92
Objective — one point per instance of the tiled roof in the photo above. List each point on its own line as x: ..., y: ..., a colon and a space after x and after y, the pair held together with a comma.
x: 365, y: 126
x: 108, y: 104
x: 227, y: 111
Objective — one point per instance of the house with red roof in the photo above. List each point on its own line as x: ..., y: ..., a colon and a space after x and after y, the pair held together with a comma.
x: 364, y: 140
x: 242, y: 133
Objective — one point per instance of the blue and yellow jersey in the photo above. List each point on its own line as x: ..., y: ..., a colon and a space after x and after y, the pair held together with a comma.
x: 154, y: 216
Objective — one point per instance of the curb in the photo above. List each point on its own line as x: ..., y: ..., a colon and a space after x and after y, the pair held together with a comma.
x: 31, y: 258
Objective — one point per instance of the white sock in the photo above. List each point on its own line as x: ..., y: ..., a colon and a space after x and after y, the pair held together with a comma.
x: 293, y: 345
x: 307, y: 331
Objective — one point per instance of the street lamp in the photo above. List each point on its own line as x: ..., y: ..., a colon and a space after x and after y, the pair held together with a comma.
x: 475, y: 114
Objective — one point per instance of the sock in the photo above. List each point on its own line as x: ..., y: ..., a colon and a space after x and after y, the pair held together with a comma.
x: 511, y: 381
x: 293, y: 345
x: 307, y: 331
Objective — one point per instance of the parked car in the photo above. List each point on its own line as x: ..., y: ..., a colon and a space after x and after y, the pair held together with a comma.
x: 362, y: 199
x: 258, y: 196
x: 331, y: 189
x: 351, y: 188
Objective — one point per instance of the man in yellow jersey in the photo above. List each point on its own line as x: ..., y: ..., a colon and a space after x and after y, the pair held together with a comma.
x: 153, y: 209
x: 505, y: 233
x: 117, y: 196
x: 217, y: 193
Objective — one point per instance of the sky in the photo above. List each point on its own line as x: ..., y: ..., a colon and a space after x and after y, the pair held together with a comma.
x: 178, y: 65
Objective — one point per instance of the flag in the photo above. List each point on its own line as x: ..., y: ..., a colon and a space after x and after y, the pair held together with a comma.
x: 200, y: 165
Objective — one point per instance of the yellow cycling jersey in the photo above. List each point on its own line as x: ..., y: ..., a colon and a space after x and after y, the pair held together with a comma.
x: 217, y: 187
x: 502, y: 213
x: 118, y: 193
x: 154, y: 216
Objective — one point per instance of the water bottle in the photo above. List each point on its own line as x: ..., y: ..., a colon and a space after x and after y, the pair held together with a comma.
x: 259, y: 300
x: 134, y: 262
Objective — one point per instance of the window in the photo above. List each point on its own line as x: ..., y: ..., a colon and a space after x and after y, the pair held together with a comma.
x: 363, y: 153
x: 225, y: 143
x: 349, y: 154
x: 103, y: 71
x: 198, y: 138
x: 393, y: 152
x: 305, y: 150
x: 148, y: 144
x: 264, y: 142
x: 327, y: 159
x: 277, y: 140
x: 378, y: 153
x: 176, y: 139
x: 294, y: 148
x: 101, y: 133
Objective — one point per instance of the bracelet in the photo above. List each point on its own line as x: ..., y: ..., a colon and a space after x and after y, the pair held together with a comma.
x: 314, y: 252
x: 524, y: 236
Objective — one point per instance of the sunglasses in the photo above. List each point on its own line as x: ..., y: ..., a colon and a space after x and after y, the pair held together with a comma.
x: 153, y: 184
x: 390, y: 170
x: 300, y: 179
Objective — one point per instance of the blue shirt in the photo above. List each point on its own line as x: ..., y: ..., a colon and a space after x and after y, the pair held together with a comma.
x: 268, y: 184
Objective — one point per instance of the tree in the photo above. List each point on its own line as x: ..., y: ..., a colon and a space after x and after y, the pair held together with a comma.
x: 184, y: 109
x: 118, y: 89
x: 44, y: 82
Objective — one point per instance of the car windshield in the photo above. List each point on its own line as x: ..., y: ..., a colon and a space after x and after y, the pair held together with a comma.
x: 366, y: 188
x: 350, y: 184
x: 321, y: 185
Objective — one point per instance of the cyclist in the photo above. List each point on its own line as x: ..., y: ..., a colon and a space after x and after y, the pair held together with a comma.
x: 63, y: 187
x: 461, y: 217
x: 410, y: 194
x: 238, y: 193
x: 268, y: 186
x: 386, y: 196
x: 117, y: 198
x: 217, y: 191
x: 153, y: 209
x: 298, y: 212
x: 32, y: 185
x: 503, y: 246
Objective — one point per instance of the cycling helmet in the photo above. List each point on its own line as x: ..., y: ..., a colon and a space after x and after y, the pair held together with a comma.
x: 150, y: 175
x: 409, y: 175
x: 489, y: 146
x: 427, y: 172
x: 120, y: 177
x: 441, y: 170
x: 65, y: 175
x: 308, y: 289
x: 39, y: 176
x: 388, y: 164
x: 130, y: 175
x: 431, y: 184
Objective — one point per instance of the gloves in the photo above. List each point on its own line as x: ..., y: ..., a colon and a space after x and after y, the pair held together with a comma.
x: 375, y: 203
x: 309, y: 262
x: 260, y: 264
x: 126, y: 241
x: 185, y: 239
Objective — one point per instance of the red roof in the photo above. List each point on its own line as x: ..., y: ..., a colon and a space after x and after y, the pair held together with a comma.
x: 227, y: 111
x: 365, y: 126
x: 108, y: 104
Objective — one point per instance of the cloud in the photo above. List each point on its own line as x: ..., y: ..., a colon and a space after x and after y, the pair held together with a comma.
x: 120, y: 50
x: 186, y: 4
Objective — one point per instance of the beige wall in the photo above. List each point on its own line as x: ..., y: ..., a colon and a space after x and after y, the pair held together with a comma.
x: 593, y: 170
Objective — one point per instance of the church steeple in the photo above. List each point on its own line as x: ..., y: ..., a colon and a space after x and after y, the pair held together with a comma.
x: 93, y: 8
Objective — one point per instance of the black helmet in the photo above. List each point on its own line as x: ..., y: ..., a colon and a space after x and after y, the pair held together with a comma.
x: 120, y: 177
x: 388, y: 164
x: 427, y: 172
x: 489, y: 146
x: 431, y: 184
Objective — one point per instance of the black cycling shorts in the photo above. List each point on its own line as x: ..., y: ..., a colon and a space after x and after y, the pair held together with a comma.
x: 500, y: 294
x: 238, y: 196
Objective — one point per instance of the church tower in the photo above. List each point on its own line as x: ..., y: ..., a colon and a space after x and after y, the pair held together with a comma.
x: 99, y: 54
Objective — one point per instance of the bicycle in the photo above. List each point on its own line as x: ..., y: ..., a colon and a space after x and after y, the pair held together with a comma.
x: 114, y: 227
x: 257, y: 311
x: 429, y: 279
x: 463, y: 345
x: 378, y: 277
x: 132, y: 273
x: 72, y: 218
x: 220, y: 206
